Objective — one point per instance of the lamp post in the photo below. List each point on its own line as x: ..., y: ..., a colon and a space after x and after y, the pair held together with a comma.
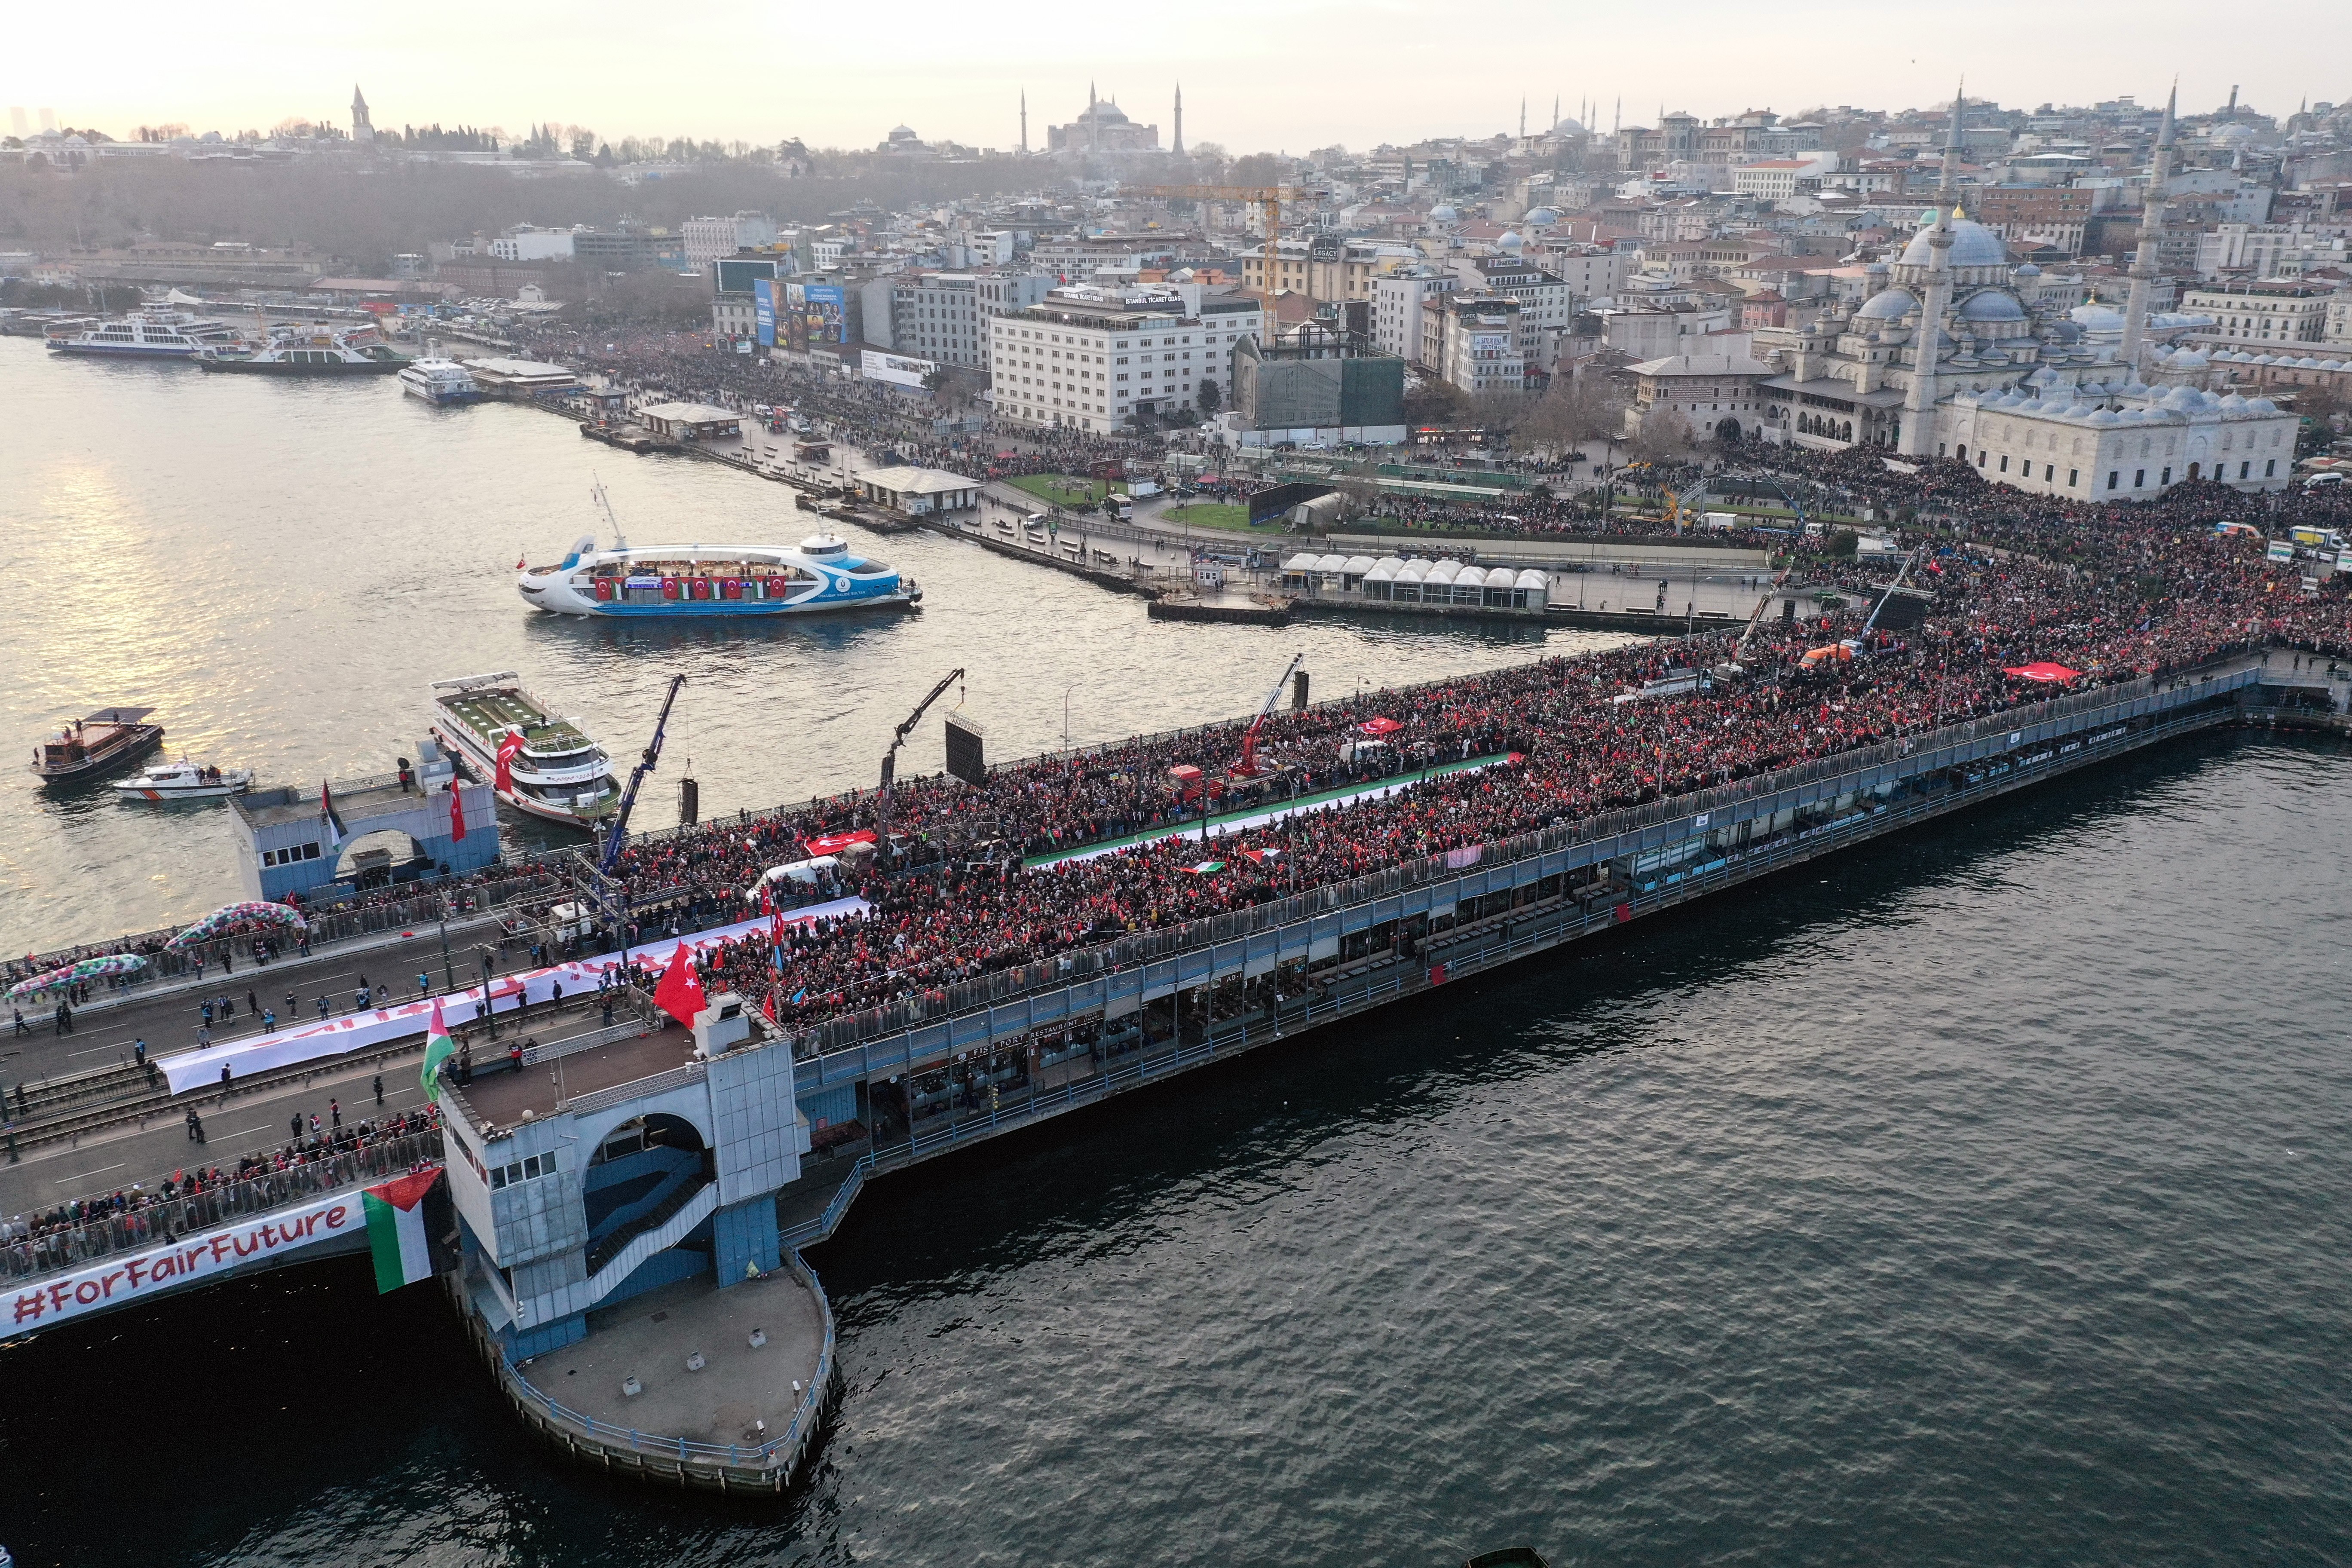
x: 489, y: 1003
x: 1065, y: 713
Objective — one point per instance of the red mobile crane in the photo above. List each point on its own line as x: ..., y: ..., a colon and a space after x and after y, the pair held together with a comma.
x: 1248, y: 768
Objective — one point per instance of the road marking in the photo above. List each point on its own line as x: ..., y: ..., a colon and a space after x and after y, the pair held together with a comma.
x: 93, y: 1050
x: 87, y: 1174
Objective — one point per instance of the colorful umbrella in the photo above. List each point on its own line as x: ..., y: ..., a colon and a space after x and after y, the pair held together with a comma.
x: 233, y: 917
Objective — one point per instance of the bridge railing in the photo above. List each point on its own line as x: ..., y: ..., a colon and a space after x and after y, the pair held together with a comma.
x: 27, y: 1256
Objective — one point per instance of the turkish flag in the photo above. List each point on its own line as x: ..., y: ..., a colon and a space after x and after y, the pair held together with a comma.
x: 680, y: 994
x: 508, y: 749
x: 456, y: 814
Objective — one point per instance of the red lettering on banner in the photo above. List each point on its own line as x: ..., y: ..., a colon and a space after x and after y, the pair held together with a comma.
x: 30, y: 1307
x: 136, y: 1267
x: 245, y: 1243
x: 220, y: 1247
x: 85, y: 1291
x: 106, y: 1285
x: 336, y: 1215
x: 57, y: 1294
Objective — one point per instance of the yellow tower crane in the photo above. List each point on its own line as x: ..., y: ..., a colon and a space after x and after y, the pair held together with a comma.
x: 1268, y: 200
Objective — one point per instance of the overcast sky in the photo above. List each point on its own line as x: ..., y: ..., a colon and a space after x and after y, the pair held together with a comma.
x: 1258, y: 74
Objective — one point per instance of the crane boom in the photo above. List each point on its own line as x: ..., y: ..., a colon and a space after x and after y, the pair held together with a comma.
x: 898, y: 739
x: 1249, y: 736
x: 617, y: 834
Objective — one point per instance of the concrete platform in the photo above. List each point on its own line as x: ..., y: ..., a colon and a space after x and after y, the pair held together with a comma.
x: 502, y: 1095
x: 651, y: 1335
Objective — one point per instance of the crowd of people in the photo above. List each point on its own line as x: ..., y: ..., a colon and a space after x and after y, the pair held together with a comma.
x: 134, y: 1214
x: 2113, y: 592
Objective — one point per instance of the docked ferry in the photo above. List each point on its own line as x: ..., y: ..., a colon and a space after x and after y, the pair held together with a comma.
x: 147, y: 334
x: 553, y: 770
x: 715, y: 580
x: 310, y: 352
x: 439, y: 381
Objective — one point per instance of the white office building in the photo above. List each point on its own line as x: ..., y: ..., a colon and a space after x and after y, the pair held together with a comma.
x: 1094, y: 359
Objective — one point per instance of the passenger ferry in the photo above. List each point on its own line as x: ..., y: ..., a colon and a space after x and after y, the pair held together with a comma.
x: 439, y: 381
x: 147, y: 334
x: 107, y: 738
x: 713, y: 579
x: 555, y: 772
x: 310, y: 352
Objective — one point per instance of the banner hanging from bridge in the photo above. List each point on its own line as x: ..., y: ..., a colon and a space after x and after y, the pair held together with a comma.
x: 136, y: 1276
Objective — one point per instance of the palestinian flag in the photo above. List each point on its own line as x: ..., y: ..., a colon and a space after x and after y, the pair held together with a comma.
x: 395, y: 1226
x: 336, y: 831
x: 1263, y: 857
x: 437, y: 1050
x: 1206, y: 867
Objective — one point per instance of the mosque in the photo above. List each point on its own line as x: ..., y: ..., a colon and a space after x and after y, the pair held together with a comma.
x: 2057, y: 403
x: 1104, y: 127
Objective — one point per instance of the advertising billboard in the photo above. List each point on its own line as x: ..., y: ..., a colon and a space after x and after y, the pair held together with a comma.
x: 763, y: 310
x: 896, y: 369
x: 815, y: 313
x: 740, y: 274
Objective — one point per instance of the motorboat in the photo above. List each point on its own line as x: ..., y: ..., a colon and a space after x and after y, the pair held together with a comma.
x: 439, y: 382
x: 183, y: 780
x: 511, y: 741
x: 105, y: 740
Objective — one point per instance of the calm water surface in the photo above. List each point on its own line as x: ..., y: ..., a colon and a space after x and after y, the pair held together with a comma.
x: 282, y: 569
x: 1975, y: 1198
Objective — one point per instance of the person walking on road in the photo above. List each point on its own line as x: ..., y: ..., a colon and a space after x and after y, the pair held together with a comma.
x: 196, y: 1126
x: 379, y: 1089
x: 295, y: 1123
x: 335, y: 1111
x: 139, y: 1052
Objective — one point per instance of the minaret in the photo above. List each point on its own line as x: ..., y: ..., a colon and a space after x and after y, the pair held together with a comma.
x: 1179, y: 119
x: 2151, y: 229
x: 1523, y: 116
x: 1555, y: 111
x: 1936, y: 298
x: 362, y: 128
x: 1093, y: 122
x: 1025, y: 122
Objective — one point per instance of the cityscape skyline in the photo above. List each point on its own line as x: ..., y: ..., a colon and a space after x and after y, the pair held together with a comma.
x: 953, y: 77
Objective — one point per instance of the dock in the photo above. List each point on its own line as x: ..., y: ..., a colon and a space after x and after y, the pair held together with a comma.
x: 1223, y: 609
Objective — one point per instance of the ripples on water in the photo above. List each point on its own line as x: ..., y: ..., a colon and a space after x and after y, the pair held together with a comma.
x: 284, y: 568
x: 1973, y: 1198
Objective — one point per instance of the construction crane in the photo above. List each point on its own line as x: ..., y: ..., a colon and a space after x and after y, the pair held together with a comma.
x: 617, y: 834
x: 1268, y: 200
x: 1248, y: 768
x: 898, y: 739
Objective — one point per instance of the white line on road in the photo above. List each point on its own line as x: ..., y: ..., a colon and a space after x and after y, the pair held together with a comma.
x: 64, y: 1181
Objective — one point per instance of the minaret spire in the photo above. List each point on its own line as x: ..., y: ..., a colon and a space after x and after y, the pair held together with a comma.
x: 2151, y: 231
x: 1949, y: 180
x: 1179, y: 119
x: 1024, y: 121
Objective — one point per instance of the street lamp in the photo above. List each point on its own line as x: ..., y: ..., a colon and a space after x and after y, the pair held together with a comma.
x: 1065, y: 712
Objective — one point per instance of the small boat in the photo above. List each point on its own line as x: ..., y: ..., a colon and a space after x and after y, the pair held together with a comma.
x: 439, y: 382
x: 183, y: 780
x: 107, y: 738
x: 1509, y: 1557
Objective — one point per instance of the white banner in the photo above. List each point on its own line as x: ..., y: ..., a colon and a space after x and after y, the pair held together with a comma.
x: 140, y: 1274
x: 355, y: 1031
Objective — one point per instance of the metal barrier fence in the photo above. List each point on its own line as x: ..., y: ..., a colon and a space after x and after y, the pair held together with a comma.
x: 25, y: 1256
x: 777, y: 1452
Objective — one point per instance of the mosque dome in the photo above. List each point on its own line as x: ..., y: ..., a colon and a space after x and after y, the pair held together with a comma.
x: 2096, y: 317
x: 1443, y: 213
x: 1542, y: 218
x: 1888, y: 305
x: 2260, y: 406
x: 1991, y: 305
x: 1568, y: 125
x: 2027, y: 269
x: 1973, y: 244
x: 1512, y: 239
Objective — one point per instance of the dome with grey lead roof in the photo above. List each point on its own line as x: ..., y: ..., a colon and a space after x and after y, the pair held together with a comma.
x: 1888, y: 305
x: 1973, y: 244
x: 1991, y: 305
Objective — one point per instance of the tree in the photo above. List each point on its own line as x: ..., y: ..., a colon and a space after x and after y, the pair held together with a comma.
x: 1663, y: 434
x: 1257, y: 169
x: 1208, y: 397
x: 1430, y: 401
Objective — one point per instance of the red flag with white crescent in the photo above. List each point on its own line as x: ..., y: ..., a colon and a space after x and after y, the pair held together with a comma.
x: 508, y: 749
x: 457, y: 815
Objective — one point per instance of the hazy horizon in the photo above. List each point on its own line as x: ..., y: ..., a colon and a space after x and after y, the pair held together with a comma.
x: 1288, y: 75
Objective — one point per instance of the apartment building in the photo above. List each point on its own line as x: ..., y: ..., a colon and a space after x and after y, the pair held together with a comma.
x: 936, y: 316
x: 1471, y: 341
x: 2266, y: 312
x: 1093, y: 359
x: 1398, y: 301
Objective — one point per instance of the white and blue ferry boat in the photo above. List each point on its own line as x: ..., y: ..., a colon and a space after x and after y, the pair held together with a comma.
x: 669, y: 580
x: 147, y: 334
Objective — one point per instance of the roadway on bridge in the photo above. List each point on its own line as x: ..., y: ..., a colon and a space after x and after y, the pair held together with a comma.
x: 248, y: 1123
